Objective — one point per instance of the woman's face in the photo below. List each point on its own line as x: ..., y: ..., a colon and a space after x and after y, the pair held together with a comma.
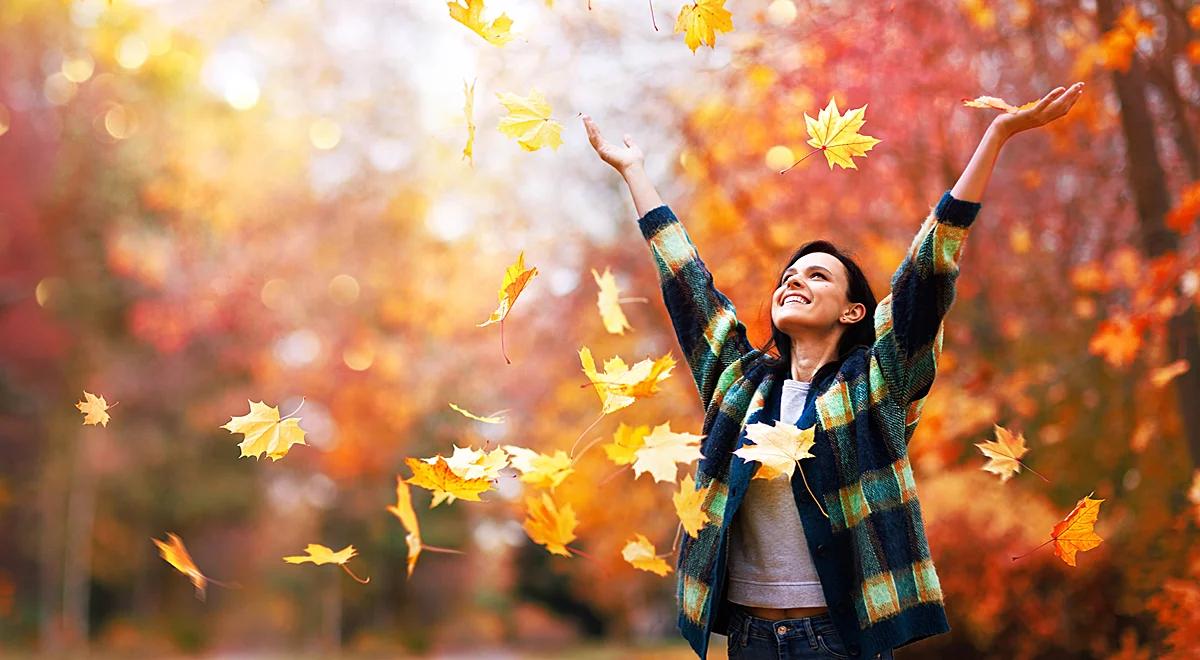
x: 811, y: 296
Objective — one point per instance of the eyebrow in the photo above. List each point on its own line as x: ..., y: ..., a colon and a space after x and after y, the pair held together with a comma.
x: 792, y: 269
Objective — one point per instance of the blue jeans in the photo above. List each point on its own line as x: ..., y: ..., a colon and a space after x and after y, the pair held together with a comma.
x: 808, y: 638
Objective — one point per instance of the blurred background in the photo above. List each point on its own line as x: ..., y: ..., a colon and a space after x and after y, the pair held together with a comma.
x: 204, y: 203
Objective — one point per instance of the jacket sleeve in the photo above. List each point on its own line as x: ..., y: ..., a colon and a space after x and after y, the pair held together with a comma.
x: 705, y: 321
x: 908, y: 321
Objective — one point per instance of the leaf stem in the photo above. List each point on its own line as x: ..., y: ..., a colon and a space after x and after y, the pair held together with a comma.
x: 589, y: 428
x: 434, y: 548
x: 302, y: 400
x: 502, y: 349
x: 810, y: 489
x: 351, y: 574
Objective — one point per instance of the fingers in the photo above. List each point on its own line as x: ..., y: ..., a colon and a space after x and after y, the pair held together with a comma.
x: 593, y: 132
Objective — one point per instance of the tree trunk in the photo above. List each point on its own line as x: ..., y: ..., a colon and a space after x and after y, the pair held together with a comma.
x: 1147, y: 181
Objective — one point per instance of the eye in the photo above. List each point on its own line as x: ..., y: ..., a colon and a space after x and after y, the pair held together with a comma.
x: 821, y: 275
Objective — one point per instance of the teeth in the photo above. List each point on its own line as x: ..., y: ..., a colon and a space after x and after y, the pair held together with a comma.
x: 795, y: 298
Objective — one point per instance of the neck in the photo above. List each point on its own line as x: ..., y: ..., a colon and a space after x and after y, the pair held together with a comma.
x: 810, y: 353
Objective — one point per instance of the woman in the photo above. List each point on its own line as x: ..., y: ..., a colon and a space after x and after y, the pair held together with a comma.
x: 845, y: 571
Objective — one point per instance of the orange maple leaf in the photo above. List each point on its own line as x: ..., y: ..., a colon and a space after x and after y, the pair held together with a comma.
x: 516, y: 277
x: 175, y: 554
x: 1077, y: 531
x: 549, y: 524
x: 403, y: 510
x: 1117, y: 340
x: 445, y: 484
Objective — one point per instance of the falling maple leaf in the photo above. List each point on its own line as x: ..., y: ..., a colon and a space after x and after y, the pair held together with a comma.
x: 529, y: 121
x: 777, y: 447
x: 662, y: 449
x: 689, y: 502
x: 837, y: 136
x: 1117, y: 340
x: 1003, y: 453
x: 626, y: 441
x: 620, y: 385
x: 403, y: 510
x: 173, y: 551
x: 516, y: 277
x: 540, y: 470
x: 443, y: 482
x: 700, y: 21
x: 471, y: 15
x: 639, y: 552
x: 608, y: 300
x: 94, y: 409
x: 1163, y: 375
x: 997, y: 104
x: 1077, y: 531
x: 319, y: 555
x: 265, y: 431
x: 485, y: 420
x: 468, y: 112
x: 549, y: 524
x: 470, y: 463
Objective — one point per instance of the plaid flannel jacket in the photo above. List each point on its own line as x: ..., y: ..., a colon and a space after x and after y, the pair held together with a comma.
x: 871, y: 553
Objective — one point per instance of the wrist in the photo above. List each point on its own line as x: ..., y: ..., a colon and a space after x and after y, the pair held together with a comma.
x: 999, y: 130
x: 631, y: 170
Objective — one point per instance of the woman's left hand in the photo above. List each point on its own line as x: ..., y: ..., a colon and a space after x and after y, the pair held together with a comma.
x: 1050, y: 107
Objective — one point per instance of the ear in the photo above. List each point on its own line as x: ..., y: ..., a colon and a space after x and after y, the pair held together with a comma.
x: 853, y: 314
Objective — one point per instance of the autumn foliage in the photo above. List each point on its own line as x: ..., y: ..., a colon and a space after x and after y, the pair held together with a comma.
x: 483, y: 403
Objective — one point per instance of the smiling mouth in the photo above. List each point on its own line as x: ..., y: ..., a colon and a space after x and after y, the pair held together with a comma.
x: 794, y: 299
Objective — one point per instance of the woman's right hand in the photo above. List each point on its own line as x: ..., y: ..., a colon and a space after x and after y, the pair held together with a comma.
x: 620, y: 157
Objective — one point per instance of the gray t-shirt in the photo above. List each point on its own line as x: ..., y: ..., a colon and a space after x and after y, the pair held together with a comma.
x: 769, y: 562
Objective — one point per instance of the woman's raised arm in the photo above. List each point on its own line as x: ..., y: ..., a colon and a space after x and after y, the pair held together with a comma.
x: 908, y: 321
x: 706, y: 324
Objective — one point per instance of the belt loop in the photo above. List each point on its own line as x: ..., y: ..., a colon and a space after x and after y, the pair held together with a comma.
x: 810, y: 633
x: 745, y: 627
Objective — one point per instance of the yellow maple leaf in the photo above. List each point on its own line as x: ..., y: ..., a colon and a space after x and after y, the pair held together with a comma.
x: 1077, y: 532
x: 1004, y: 453
x: 529, y: 121
x: 639, y: 552
x: 620, y: 385
x: 663, y: 449
x: 173, y: 551
x: 516, y: 277
x: 777, y: 447
x: 700, y: 21
x: 485, y: 420
x: 319, y: 554
x: 403, y: 510
x: 540, y: 470
x: 689, y: 503
x: 608, y: 300
x: 471, y: 15
x: 94, y: 409
x: 549, y: 524
x: 997, y: 104
x: 265, y: 432
x: 443, y: 482
x: 837, y: 135
x: 626, y: 441
x: 468, y: 112
x: 470, y: 463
